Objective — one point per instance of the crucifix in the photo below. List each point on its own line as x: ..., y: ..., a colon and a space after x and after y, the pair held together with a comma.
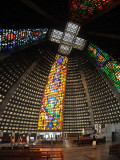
x: 68, y: 39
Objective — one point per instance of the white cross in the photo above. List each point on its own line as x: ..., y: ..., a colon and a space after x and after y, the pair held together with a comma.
x: 68, y: 39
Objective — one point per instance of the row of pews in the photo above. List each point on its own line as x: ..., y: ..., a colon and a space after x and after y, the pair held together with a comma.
x: 30, y: 154
x: 85, y: 140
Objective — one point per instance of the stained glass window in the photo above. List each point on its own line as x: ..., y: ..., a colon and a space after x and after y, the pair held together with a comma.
x: 79, y: 43
x: 72, y: 27
x: 11, y: 38
x: 51, y: 112
x: 83, y: 9
x: 107, y: 64
x: 56, y: 35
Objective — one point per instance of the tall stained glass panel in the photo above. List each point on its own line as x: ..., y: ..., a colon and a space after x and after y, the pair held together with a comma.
x: 107, y: 64
x: 81, y: 10
x: 51, y: 112
x: 13, y: 38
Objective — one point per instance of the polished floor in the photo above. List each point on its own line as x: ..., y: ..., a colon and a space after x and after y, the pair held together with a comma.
x: 86, y: 152
x: 83, y: 152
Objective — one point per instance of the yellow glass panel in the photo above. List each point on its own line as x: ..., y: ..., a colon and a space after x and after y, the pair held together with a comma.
x: 51, y: 112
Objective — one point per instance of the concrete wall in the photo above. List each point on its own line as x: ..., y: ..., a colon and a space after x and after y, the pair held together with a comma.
x: 115, y: 128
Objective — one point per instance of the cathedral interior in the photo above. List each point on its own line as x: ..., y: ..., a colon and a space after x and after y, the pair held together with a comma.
x: 60, y: 69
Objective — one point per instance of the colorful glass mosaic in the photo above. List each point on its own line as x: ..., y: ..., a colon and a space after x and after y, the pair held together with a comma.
x: 83, y: 9
x: 107, y: 64
x: 51, y: 112
x: 11, y: 38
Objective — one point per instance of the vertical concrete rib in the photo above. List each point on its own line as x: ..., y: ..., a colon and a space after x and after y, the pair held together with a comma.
x: 87, y: 96
x: 15, y: 86
x: 88, y: 99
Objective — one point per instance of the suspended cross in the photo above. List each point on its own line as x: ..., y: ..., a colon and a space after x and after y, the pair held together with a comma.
x: 68, y: 39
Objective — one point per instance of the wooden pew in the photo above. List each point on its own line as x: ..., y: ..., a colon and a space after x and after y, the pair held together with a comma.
x: 29, y: 155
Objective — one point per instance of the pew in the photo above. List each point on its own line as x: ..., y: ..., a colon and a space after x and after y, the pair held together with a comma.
x: 30, y: 155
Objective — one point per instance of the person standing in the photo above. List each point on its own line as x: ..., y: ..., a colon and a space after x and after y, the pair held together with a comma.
x: 94, y: 140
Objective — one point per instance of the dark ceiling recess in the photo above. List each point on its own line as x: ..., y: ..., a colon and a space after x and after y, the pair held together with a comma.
x: 103, y: 30
x: 28, y: 13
